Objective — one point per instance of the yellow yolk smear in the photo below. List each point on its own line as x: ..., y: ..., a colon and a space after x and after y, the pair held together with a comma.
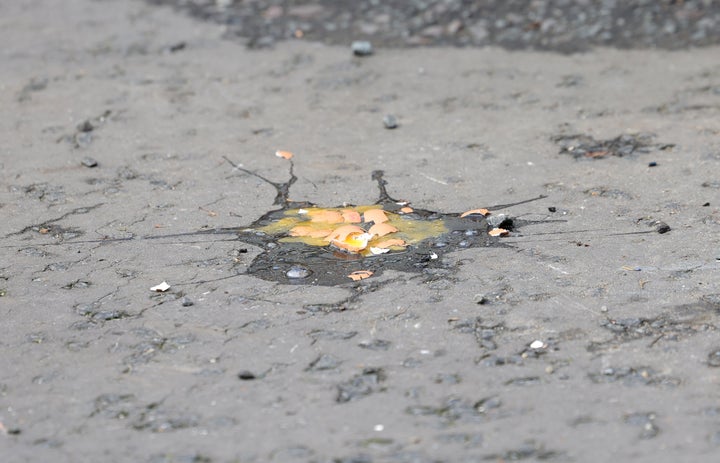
x: 308, y: 227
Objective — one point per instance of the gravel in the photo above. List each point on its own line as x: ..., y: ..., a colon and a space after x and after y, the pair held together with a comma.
x: 558, y: 25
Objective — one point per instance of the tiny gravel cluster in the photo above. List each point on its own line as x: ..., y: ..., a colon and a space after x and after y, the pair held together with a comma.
x: 559, y: 25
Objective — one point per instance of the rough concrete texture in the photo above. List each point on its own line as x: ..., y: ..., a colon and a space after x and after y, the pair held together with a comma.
x: 406, y: 367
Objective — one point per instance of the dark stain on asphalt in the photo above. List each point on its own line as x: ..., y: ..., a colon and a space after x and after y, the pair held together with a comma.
x: 583, y: 146
x: 299, y: 263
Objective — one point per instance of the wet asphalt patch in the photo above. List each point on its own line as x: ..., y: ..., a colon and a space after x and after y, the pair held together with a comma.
x: 295, y: 262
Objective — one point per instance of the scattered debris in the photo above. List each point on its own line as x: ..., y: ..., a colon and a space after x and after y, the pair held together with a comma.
x: 361, y: 385
x: 161, y: 288
x: 585, y: 146
x: 283, y: 154
x: 646, y: 421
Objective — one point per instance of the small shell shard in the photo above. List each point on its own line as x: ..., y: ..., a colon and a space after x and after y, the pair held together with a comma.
x: 376, y: 251
x: 498, y: 232
x: 360, y: 275
x: 350, y: 216
x: 161, y: 288
x: 375, y: 215
x: 302, y: 230
x: 393, y: 242
x: 382, y: 229
x: 482, y: 212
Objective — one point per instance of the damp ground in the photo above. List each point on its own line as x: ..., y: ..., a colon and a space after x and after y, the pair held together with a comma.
x: 589, y: 333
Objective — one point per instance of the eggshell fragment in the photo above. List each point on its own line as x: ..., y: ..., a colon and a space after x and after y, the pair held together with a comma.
x: 326, y: 216
x: 406, y: 210
x: 382, y: 229
x: 161, y: 288
x: 350, y: 238
x: 303, y: 230
x: 354, y: 242
x: 498, y: 232
x: 390, y: 243
x: 482, y: 212
x: 375, y: 215
x: 283, y: 154
x: 376, y: 251
x: 360, y: 275
x: 350, y: 216
x: 341, y: 233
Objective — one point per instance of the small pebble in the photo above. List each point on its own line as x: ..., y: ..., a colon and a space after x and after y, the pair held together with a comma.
x: 714, y: 358
x: 89, y: 162
x: 186, y: 302
x: 362, y: 48
x: 652, y: 164
x: 83, y: 139
x: 298, y: 272
x: 552, y: 209
x: 662, y: 227
x: 85, y: 127
x: 499, y: 221
x: 390, y: 121
x: 537, y: 344
x: 246, y: 375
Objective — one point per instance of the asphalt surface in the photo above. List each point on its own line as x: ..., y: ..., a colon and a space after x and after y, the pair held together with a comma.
x: 587, y: 334
x: 558, y: 25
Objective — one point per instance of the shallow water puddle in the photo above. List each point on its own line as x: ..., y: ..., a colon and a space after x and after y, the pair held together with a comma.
x: 306, y: 244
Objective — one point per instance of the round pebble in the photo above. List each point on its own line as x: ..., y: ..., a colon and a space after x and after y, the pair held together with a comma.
x: 714, y: 358
x: 298, y: 272
x: 89, y: 162
x: 362, y: 48
x: 390, y: 122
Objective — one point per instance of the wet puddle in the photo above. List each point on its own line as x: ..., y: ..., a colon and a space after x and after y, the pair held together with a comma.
x: 310, y: 245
